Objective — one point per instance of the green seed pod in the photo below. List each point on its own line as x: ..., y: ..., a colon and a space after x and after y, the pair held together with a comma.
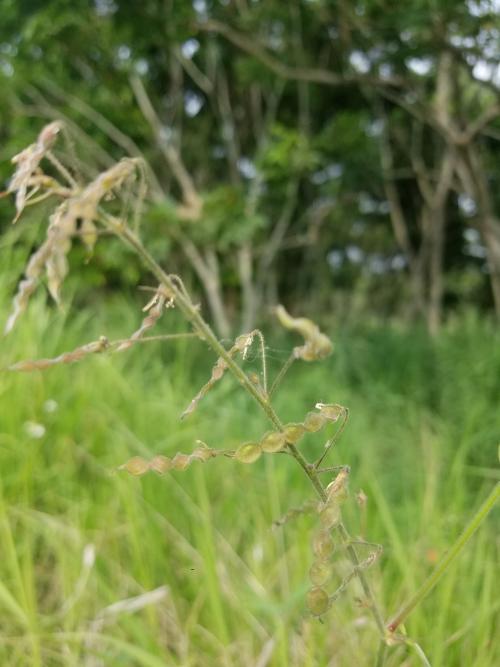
x: 318, y: 601
x: 136, y: 466
x: 330, y: 515
x: 273, y: 441
x: 160, y: 464
x: 248, y: 453
x: 314, y: 421
x: 294, y: 432
x: 323, y: 545
x: 320, y: 572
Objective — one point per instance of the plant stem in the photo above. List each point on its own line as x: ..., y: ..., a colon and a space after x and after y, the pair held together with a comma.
x: 191, y: 313
x: 447, y: 559
x: 382, y: 651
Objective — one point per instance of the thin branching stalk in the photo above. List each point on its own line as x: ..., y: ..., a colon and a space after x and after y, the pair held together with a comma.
x: 191, y: 313
x: 283, y: 371
x: 446, y: 561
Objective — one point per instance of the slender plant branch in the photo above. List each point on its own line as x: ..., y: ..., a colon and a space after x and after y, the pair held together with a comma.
x: 191, y: 313
x: 446, y: 561
x: 331, y: 442
x: 381, y: 654
x: 283, y: 371
x: 264, y: 363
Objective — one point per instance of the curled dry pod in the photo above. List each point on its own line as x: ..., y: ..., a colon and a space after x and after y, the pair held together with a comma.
x: 136, y: 466
x: 248, y: 453
x: 323, y: 545
x: 160, y: 464
x: 318, y: 601
x: 330, y: 515
x: 293, y: 433
x: 273, y: 441
x: 314, y: 421
x: 320, y: 572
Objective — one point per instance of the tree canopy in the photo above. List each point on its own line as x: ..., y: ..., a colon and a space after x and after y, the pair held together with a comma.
x: 338, y: 154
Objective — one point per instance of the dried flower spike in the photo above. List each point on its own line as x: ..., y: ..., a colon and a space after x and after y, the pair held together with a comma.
x: 27, y: 162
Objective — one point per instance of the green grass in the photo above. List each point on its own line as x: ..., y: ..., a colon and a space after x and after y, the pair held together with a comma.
x: 421, y: 442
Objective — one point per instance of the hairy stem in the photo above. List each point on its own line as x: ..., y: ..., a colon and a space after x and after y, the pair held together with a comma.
x: 191, y: 313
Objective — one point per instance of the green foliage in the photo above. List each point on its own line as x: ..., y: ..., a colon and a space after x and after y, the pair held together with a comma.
x: 288, y: 155
x: 226, y: 223
x: 422, y: 443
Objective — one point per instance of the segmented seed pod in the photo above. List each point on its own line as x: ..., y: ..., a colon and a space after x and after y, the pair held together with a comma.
x: 337, y: 489
x: 330, y: 515
x: 160, y: 464
x: 136, y: 466
x: 180, y: 462
x: 293, y: 433
x: 314, y: 421
x: 318, y: 601
x: 203, y: 453
x: 320, y: 572
x: 331, y: 412
x: 248, y: 453
x: 323, y: 545
x: 273, y: 441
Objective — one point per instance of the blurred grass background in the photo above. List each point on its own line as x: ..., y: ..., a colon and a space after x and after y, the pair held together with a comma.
x: 421, y: 442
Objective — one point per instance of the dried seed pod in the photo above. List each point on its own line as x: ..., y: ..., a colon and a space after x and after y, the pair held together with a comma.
x: 323, y: 545
x: 27, y: 162
x: 293, y: 433
x: 203, y: 452
x: 330, y: 515
x: 248, y: 453
x: 95, y: 347
x: 320, y: 572
x: 318, y: 601
x: 160, y: 464
x: 83, y: 204
x: 273, y: 441
x: 317, y: 345
x: 337, y: 490
x: 136, y: 466
x: 154, y: 310
x: 242, y: 343
x: 332, y: 412
x: 180, y: 462
x: 314, y: 421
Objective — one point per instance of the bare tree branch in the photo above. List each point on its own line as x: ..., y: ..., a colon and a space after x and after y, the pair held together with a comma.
x: 311, y: 74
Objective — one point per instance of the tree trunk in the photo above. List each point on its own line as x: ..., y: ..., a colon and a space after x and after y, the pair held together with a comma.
x: 207, y: 270
x: 248, y: 294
